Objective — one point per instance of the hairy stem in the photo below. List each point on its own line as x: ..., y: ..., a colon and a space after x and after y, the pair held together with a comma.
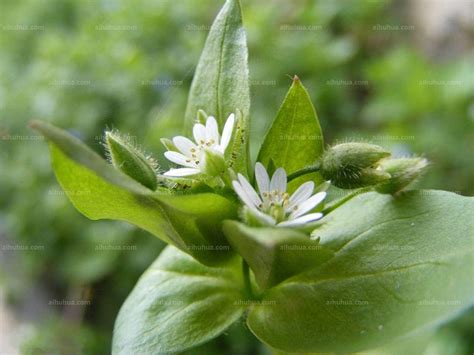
x: 335, y: 204
x: 306, y: 170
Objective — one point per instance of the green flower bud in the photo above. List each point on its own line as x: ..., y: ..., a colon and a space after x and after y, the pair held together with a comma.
x: 214, y: 163
x: 353, y: 165
x: 403, y: 171
x: 130, y: 160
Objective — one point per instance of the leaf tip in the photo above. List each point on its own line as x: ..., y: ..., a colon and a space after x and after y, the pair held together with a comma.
x: 296, y: 78
x: 34, y: 124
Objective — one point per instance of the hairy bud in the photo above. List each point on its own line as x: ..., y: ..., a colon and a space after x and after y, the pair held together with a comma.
x: 130, y: 160
x: 353, y: 165
x: 403, y: 171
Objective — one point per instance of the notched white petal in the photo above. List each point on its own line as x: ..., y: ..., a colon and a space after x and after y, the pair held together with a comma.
x: 309, y: 204
x: 184, y: 145
x: 301, y: 220
x: 249, y: 190
x: 243, y: 195
x: 182, y: 172
x: 278, y: 181
x: 263, y: 180
x: 302, y: 193
x: 199, y: 133
x: 179, y: 159
x: 212, y: 133
x: 227, y: 132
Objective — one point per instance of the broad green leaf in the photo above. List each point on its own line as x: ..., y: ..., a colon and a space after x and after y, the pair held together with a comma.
x: 99, y: 191
x: 275, y: 254
x: 402, y: 264
x: 178, y: 303
x: 294, y: 139
x: 220, y: 85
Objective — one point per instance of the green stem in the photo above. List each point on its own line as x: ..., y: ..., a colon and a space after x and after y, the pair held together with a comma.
x: 331, y: 207
x: 307, y: 170
x: 247, y: 284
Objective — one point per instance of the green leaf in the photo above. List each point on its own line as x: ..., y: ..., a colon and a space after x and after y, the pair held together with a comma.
x: 220, y: 85
x: 401, y: 264
x: 99, y: 191
x: 294, y: 140
x: 275, y: 254
x: 177, y: 304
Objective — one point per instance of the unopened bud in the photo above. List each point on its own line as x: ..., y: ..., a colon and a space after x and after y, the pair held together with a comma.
x: 403, y: 171
x: 353, y: 165
x: 130, y: 160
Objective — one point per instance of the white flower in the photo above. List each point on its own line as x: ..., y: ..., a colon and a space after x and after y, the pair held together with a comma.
x: 274, y: 205
x: 191, y: 155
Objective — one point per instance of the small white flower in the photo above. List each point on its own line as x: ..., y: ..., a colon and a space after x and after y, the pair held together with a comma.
x: 191, y: 155
x: 274, y: 205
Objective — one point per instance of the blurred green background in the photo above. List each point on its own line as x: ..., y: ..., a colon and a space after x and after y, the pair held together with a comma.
x: 398, y: 74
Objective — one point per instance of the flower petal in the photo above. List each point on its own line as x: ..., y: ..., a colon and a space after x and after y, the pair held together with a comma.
x: 179, y: 159
x: 265, y: 218
x: 184, y: 145
x: 211, y: 130
x: 182, y: 172
x: 249, y: 190
x: 308, y: 205
x: 227, y: 132
x: 301, y: 194
x: 199, y: 133
x: 278, y: 181
x: 239, y: 190
x: 301, y: 220
x: 261, y: 175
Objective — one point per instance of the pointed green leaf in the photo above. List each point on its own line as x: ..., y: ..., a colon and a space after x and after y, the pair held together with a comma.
x: 401, y: 264
x: 220, y: 85
x: 99, y: 191
x: 294, y: 139
x: 177, y: 304
x: 275, y: 254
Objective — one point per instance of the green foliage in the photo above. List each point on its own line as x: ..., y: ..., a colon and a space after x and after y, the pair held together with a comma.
x: 100, y: 191
x: 76, y: 75
x: 275, y: 254
x: 220, y: 85
x: 400, y: 265
x: 294, y: 140
x: 178, y: 303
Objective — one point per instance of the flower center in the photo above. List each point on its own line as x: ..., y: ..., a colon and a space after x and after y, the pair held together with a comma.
x: 275, y: 204
x: 195, y: 154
